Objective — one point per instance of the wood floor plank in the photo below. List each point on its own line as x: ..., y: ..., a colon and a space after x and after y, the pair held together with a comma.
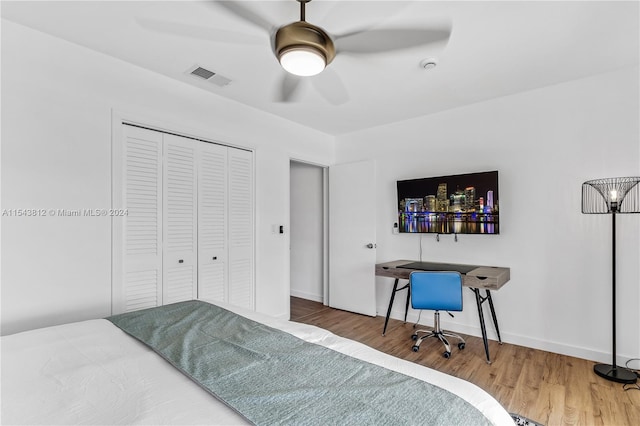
x: 549, y: 404
x: 549, y: 388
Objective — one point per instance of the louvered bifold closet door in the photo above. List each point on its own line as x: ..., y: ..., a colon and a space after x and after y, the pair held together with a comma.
x: 180, y: 227
x: 212, y: 222
x: 138, y: 283
x: 240, y: 223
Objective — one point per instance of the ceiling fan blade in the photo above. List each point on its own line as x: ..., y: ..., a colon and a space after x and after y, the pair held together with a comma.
x: 245, y: 14
x: 289, y: 86
x: 329, y: 85
x: 198, y: 32
x: 385, y: 40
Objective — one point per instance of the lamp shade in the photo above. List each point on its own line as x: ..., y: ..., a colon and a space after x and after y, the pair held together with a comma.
x: 611, y: 195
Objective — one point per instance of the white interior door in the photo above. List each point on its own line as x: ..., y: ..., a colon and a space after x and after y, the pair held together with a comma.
x: 352, y: 232
x: 241, y: 231
x: 212, y: 222
x: 180, y: 222
x: 137, y: 236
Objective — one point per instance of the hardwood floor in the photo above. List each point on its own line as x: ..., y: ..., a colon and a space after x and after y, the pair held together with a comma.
x: 548, y: 388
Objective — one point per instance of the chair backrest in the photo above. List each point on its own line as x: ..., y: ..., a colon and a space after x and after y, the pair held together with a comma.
x: 436, y: 290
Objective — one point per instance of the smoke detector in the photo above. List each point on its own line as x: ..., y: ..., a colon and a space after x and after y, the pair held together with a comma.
x: 429, y: 63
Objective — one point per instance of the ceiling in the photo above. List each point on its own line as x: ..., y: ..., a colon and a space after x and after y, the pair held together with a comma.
x: 494, y: 49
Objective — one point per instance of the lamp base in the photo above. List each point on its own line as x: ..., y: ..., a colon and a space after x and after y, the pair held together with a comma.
x: 615, y: 374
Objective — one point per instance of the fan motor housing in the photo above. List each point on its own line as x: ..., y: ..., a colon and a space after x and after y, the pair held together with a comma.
x: 301, y: 35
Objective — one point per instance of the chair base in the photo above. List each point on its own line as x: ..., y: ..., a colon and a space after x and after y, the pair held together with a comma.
x: 438, y: 333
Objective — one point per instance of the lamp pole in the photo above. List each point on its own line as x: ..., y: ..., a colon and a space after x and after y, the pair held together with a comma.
x: 612, y: 372
x: 614, y: 360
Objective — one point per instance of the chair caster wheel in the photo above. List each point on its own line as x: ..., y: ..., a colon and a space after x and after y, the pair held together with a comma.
x: 415, y: 348
x: 414, y: 337
x: 446, y: 354
x: 461, y: 345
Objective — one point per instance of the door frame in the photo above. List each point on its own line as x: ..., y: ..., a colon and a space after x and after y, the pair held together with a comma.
x: 325, y: 226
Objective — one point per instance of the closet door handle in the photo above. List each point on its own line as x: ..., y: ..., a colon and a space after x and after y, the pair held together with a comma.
x: 181, y: 261
x: 215, y: 257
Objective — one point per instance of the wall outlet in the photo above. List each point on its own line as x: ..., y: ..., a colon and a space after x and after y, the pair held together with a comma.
x: 395, y: 230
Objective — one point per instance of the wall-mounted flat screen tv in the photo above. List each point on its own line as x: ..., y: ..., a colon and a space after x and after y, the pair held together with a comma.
x: 456, y: 204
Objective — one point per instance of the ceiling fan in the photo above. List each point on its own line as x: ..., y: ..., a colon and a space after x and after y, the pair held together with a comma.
x: 302, y: 48
x: 305, y: 50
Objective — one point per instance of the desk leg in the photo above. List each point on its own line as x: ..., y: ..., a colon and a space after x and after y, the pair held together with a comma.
x: 482, y: 326
x: 493, y: 315
x: 393, y: 296
x: 406, y: 306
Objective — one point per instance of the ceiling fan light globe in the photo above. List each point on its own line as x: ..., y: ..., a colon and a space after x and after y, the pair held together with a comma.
x: 303, y: 62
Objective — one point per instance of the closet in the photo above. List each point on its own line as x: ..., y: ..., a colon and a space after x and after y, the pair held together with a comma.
x: 187, y: 229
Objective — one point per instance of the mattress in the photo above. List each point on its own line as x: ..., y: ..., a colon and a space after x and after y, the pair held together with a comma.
x: 91, y: 372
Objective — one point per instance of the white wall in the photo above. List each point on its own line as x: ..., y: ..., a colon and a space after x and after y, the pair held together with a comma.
x: 57, y: 103
x: 544, y: 143
x: 306, y: 236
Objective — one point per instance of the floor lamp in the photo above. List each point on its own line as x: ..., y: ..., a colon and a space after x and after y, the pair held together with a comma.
x: 612, y: 196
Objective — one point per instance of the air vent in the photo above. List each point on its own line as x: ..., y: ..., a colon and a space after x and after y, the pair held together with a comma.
x: 210, y: 76
x: 203, y: 73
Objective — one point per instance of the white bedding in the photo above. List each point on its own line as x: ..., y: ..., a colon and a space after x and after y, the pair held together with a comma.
x: 91, y: 372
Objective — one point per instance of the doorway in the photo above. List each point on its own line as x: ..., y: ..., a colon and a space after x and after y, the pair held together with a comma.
x: 308, y: 239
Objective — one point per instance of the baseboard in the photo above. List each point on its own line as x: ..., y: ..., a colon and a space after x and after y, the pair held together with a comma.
x: 282, y: 316
x: 515, y: 339
x: 305, y: 295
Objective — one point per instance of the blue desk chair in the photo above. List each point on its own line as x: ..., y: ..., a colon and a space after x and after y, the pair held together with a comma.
x: 438, y: 291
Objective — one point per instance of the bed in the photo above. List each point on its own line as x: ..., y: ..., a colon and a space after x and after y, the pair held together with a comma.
x: 108, y: 371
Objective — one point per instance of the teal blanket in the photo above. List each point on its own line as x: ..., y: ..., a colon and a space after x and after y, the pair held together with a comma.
x: 271, y: 377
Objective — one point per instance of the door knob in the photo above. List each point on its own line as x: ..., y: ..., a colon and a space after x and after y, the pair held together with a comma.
x: 371, y: 245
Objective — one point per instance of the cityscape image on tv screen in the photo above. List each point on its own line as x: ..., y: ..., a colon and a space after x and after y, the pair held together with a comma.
x: 456, y: 204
